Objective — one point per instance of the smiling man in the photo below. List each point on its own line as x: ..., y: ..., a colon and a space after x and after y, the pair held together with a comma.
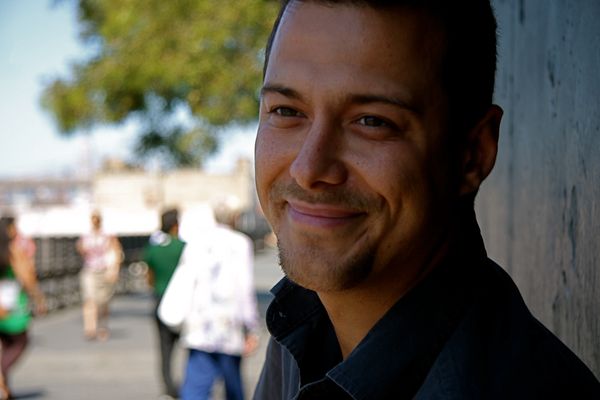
x: 376, y: 131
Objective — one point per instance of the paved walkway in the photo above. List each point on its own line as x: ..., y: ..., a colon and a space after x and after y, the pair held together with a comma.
x: 61, y: 365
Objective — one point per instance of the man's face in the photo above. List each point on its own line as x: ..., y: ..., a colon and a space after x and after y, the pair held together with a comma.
x: 352, y: 166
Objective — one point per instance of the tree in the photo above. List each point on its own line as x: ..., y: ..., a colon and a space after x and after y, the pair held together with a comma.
x: 154, y: 57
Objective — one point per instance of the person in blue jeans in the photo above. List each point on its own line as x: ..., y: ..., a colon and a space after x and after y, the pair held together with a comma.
x: 203, y: 368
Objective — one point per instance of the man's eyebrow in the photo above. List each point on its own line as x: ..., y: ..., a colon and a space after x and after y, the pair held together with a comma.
x: 352, y: 98
x: 375, y: 98
x: 283, y: 90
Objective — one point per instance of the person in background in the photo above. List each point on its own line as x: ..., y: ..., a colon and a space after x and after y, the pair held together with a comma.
x: 18, y: 284
x: 23, y: 242
x: 214, y: 283
x: 102, y: 255
x: 162, y: 256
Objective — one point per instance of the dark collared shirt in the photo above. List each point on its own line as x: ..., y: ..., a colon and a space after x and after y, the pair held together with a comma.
x: 463, y: 332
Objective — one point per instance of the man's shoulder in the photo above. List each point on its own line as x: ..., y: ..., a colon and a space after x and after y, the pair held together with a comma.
x: 500, y: 350
x: 177, y: 243
x: 280, y: 376
x: 154, y: 249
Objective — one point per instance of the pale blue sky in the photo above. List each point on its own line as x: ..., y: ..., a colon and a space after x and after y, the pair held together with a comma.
x: 38, y: 41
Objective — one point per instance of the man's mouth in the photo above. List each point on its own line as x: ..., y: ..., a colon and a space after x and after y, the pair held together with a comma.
x: 321, y: 215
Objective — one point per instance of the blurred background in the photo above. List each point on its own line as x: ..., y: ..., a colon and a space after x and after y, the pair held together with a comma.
x: 128, y: 108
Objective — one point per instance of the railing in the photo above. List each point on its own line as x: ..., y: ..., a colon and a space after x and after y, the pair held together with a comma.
x: 58, y: 265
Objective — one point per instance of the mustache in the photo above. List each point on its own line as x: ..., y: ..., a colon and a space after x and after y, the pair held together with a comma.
x: 337, y: 196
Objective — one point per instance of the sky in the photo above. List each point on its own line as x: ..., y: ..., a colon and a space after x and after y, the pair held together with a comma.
x: 38, y: 42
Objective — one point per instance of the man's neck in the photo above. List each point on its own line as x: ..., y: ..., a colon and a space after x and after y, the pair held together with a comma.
x: 355, y: 311
x: 353, y: 315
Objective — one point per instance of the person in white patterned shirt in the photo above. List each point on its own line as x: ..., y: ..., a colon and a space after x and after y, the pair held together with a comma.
x: 214, y: 280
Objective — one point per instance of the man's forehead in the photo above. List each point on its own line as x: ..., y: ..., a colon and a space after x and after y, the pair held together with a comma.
x: 373, y: 8
x: 376, y: 52
x: 399, y: 25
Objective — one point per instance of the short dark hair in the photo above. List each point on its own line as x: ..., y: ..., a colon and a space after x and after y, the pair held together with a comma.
x: 169, y: 219
x: 469, y: 60
x: 5, y: 240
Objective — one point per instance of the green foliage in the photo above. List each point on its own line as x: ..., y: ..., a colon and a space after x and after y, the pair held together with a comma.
x: 153, y: 56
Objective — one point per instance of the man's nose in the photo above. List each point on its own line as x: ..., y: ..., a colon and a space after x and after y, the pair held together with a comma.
x: 319, y: 160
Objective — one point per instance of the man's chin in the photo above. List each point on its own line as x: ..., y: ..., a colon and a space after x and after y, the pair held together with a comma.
x: 325, y: 272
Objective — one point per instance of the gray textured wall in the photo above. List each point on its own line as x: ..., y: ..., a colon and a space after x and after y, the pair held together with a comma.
x: 540, y: 208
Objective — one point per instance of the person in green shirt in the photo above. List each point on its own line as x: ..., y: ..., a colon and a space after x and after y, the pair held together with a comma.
x: 162, y: 256
x: 19, y: 291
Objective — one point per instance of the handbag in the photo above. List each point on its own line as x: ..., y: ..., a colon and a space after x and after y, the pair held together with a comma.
x: 9, y: 293
x: 17, y: 303
x: 176, y: 301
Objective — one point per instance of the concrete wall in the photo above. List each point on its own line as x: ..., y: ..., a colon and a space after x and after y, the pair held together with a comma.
x: 540, y: 209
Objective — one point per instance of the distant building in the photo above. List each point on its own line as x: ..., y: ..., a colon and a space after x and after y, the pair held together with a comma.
x: 130, y: 200
x: 17, y: 194
x: 181, y: 188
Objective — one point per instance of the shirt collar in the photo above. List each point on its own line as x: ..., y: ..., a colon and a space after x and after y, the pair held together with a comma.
x: 393, y: 359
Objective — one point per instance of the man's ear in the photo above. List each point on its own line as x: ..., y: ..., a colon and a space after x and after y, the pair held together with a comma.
x: 479, y: 152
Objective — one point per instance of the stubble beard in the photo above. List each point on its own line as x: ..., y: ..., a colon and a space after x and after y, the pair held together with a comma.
x: 307, y: 260
x: 315, y: 269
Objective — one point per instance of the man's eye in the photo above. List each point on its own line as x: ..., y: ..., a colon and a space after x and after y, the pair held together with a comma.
x: 285, y: 112
x: 373, y: 122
